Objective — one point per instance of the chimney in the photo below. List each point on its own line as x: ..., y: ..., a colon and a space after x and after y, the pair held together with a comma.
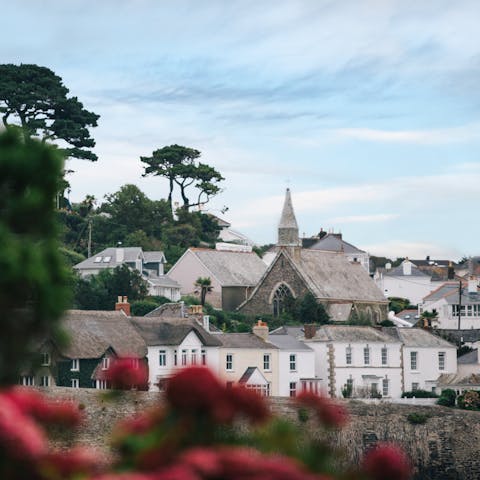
x: 123, y: 305
x: 472, y: 284
x: 119, y: 255
x: 261, y: 330
x: 206, y: 322
x: 195, y: 310
x: 450, y: 271
x: 407, y: 267
x: 310, y: 330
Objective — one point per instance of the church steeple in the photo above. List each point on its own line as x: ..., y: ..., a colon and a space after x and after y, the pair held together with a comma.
x: 288, y: 228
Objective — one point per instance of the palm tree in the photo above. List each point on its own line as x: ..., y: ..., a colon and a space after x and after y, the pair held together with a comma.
x: 429, y: 318
x: 205, y: 284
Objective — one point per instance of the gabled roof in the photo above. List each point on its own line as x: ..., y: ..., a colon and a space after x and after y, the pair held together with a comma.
x: 171, y: 331
x: 334, y: 243
x: 108, y: 258
x: 287, y: 342
x: 92, y: 332
x: 398, y: 272
x: 465, y: 336
x: 429, y: 262
x: 450, y: 292
x: 417, y: 337
x: 154, y: 257
x: 243, y: 340
x: 250, y: 374
x: 469, y: 358
x: 161, y: 281
x: 231, y: 269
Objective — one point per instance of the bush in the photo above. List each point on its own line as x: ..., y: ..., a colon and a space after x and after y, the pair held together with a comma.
x: 447, y: 398
x: 419, y: 394
x: 469, y: 400
x: 417, y: 418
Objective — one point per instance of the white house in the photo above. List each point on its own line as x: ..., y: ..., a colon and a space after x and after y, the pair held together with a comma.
x: 149, y: 264
x: 362, y: 360
x: 173, y: 343
x: 296, y: 365
x: 425, y: 357
x: 457, y: 305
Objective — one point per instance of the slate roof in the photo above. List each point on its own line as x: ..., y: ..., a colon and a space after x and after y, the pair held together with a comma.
x: 417, y: 337
x: 243, y: 340
x: 232, y: 269
x: 287, y: 342
x: 398, y: 272
x: 332, y: 276
x: 171, y: 331
x: 468, y: 358
x: 449, y: 291
x: 334, y: 243
x: 91, y: 332
x: 161, y: 281
x: 130, y: 255
x: 409, y: 315
x: 154, y: 257
x: 447, y: 379
x: 353, y: 334
x: 429, y: 262
x: 467, y: 336
x: 247, y: 374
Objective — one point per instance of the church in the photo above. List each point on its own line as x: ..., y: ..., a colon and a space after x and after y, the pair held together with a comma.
x: 342, y: 286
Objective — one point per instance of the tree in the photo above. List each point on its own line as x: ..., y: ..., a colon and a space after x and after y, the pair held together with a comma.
x: 308, y: 310
x: 178, y: 165
x: 205, y: 284
x: 36, y: 99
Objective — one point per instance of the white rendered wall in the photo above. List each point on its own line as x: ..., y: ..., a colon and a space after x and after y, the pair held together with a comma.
x: 305, y: 363
x: 446, y: 319
x: 413, y: 287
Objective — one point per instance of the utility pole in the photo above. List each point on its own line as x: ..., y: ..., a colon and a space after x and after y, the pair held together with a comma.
x: 459, y: 303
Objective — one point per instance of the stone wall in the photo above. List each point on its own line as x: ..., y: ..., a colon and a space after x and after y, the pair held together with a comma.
x: 446, y: 447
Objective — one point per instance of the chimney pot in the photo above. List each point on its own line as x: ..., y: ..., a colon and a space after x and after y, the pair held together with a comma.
x: 261, y: 330
x: 123, y: 305
x: 310, y: 330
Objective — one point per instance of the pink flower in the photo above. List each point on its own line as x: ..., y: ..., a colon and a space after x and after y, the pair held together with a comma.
x: 176, y: 472
x: 65, y: 464
x: 204, y: 461
x: 249, y: 403
x: 330, y: 413
x: 127, y: 373
x: 20, y: 437
x: 387, y: 462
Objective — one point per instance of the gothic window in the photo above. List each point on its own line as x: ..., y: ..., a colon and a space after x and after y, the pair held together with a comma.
x: 281, y: 299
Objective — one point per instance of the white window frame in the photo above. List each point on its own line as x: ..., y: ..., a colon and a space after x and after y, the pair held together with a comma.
x: 384, y: 356
x: 184, y: 357
x: 293, y: 389
x: 415, y: 386
x: 193, y: 356
x: 28, y: 381
x: 229, y: 362
x: 413, y: 360
x: 293, y: 362
x: 385, y: 387
x: 204, y: 356
x: 101, y: 385
x: 105, y: 363
x: 162, y: 358
x: 75, y: 367
x: 45, y: 381
x: 348, y: 355
x: 266, y: 362
x: 175, y: 358
x: 75, y: 383
x: 366, y: 355
x: 441, y: 360
x: 45, y: 359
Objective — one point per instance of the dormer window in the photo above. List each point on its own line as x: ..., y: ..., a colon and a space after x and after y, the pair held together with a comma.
x: 105, y: 363
x: 97, y: 259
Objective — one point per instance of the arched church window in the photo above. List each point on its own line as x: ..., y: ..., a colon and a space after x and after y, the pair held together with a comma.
x: 281, y: 299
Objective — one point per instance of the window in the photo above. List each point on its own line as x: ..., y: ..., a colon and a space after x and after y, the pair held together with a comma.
x: 281, y: 298
x: 162, y: 358
x: 204, y: 357
x: 45, y: 381
x: 75, y: 383
x: 413, y: 360
x: 45, y: 359
x: 135, y: 362
x: 184, y: 357
x: 384, y: 356
x: 105, y: 363
x: 441, y: 360
x: 366, y: 355
x: 98, y: 259
x: 348, y: 355
x: 28, y: 380
x: 75, y: 365
x: 229, y: 362
x: 263, y: 390
x: 385, y: 387
x: 175, y: 361
x: 194, y: 357
x: 101, y: 384
x: 293, y: 389
x: 414, y: 386
x: 266, y: 361
x: 374, y: 389
x: 106, y: 259
x: 293, y: 362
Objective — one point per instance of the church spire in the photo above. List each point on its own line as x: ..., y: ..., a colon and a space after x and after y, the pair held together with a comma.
x: 288, y: 228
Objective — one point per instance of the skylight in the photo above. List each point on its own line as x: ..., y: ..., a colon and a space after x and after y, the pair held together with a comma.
x: 98, y: 259
x: 106, y: 259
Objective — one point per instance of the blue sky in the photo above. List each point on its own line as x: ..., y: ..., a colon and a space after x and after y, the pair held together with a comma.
x: 368, y: 110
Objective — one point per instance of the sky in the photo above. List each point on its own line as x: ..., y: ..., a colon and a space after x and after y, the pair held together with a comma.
x: 368, y: 110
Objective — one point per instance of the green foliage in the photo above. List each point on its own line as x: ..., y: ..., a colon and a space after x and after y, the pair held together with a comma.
x: 469, y: 400
x: 142, y: 307
x: 179, y: 165
x: 397, y: 304
x: 205, y: 285
x: 303, y: 415
x: 36, y: 99
x: 386, y: 323
x: 464, y: 349
x: 308, y: 310
x: 33, y: 279
x: 419, y: 394
x: 360, y: 319
x: 416, y: 418
x: 447, y: 398
x: 71, y: 257
x: 100, y: 292
x: 347, y: 390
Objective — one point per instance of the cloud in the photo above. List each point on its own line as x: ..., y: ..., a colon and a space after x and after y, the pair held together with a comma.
x: 414, y: 250
x: 434, y: 136
x: 379, y: 217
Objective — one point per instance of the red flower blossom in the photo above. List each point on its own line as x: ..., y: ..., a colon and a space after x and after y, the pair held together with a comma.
x: 387, y: 462
x: 127, y: 373
x: 125, y: 476
x: 204, y: 461
x: 249, y: 403
x: 176, y: 472
x: 330, y: 413
x: 20, y: 437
